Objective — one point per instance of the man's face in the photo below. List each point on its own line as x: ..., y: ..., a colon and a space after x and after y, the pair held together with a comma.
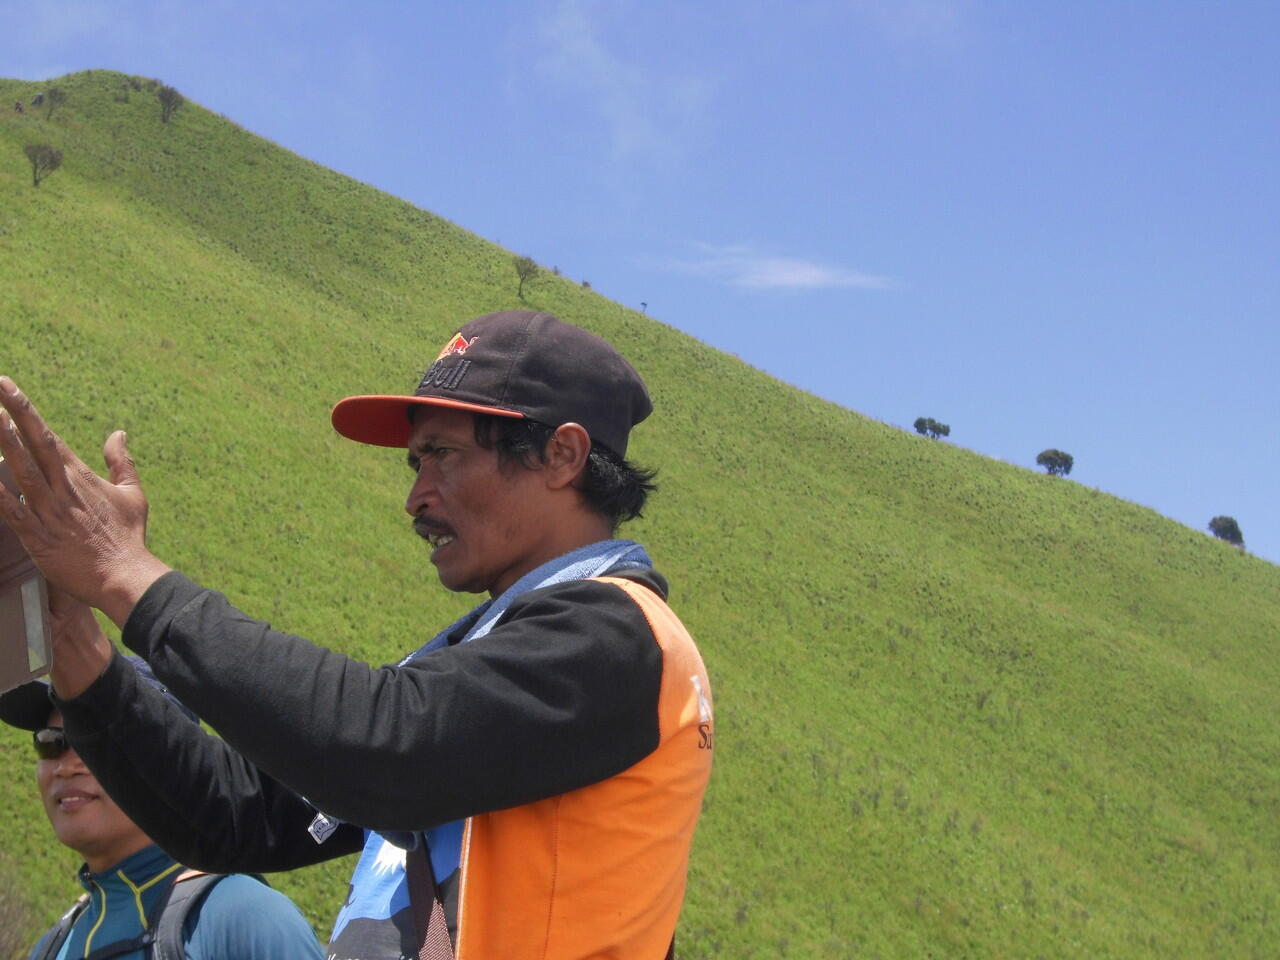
x: 84, y: 818
x: 487, y: 524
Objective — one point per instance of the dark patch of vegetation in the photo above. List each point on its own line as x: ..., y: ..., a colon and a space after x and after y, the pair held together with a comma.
x: 170, y: 100
x: 1226, y: 528
x: 927, y: 426
x: 44, y: 160
x: 1055, y: 462
x: 526, y: 270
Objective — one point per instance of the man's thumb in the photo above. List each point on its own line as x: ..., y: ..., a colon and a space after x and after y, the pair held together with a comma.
x: 120, y: 465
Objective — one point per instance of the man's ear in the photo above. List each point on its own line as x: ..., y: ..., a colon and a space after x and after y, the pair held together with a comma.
x: 566, y: 455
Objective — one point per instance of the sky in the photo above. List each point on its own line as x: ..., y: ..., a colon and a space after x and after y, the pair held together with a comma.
x: 1044, y: 224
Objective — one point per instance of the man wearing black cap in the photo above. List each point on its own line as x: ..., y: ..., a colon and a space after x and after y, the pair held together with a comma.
x: 133, y: 888
x: 528, y: 780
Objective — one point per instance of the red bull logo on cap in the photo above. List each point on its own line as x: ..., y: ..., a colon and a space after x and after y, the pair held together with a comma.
x: 458, y: 344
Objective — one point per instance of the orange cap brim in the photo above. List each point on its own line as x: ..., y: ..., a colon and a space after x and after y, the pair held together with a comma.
x: 384, y: 421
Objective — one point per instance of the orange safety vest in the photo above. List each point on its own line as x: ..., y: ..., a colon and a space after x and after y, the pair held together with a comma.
x: 598, y: 872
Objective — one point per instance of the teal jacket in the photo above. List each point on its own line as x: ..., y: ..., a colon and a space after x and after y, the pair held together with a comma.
x: 240, y: 919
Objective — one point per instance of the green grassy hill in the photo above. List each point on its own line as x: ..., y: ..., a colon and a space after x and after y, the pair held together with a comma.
x: 963, y: 709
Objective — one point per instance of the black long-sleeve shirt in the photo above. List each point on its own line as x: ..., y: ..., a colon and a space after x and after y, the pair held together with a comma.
x: 561, y: 693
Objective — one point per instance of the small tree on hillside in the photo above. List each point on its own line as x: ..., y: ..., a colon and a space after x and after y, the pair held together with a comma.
x: 170, y: 100
x: 44, y: 160
x: 1226, y: 528
x: 927, y: 426
x: 526, y: 270
x: 53, y: 100
x: 1056, y: 462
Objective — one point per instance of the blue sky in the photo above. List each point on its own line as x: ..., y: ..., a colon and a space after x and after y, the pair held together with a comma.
x: 1048, y: 225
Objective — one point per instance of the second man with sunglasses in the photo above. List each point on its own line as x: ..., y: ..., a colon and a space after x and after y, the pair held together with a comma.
x: 129, y: 883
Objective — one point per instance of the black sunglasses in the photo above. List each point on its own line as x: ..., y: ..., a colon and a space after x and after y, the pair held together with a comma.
x: 51, y: 743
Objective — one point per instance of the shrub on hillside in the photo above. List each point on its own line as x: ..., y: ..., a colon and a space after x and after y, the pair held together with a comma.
x: 44, y: 160
x: 170, y: 100
x: 927, y: 426
x: 1055, y: 462
x: 526, y: 270
x: 1226, y: 528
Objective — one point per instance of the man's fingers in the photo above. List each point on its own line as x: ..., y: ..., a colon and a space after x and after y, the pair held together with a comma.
x: 121, y: 468
x: 84, y: 533
x: 27, y: 476
x: 42, y: 444
x: 12, y: 511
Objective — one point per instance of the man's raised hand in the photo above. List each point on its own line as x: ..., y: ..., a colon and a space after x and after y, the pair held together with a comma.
x: 86, y: 534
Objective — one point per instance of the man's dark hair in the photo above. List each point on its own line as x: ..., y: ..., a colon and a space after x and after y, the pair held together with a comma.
x: 610, y: 485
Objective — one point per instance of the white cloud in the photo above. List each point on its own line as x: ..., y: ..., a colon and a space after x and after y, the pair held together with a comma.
x: 741, y: 266
x: 647, y: 111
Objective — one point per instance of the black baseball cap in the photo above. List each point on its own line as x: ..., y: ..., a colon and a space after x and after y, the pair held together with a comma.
x: 517, y: 363
x: 28, y: 706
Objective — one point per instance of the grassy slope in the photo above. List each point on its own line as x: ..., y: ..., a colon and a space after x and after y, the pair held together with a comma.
x: 963, y: 709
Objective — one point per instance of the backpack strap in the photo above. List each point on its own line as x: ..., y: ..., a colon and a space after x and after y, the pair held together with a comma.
x: 53, y: 939
x: 431, y: 930
x: 162, y: 938
x: 186, y: 894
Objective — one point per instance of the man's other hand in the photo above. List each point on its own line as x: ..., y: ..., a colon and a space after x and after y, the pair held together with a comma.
x: 81, y: 650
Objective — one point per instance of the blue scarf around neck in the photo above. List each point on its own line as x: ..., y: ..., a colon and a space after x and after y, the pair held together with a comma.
x: 593, y: 560
x: 375, y: 892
